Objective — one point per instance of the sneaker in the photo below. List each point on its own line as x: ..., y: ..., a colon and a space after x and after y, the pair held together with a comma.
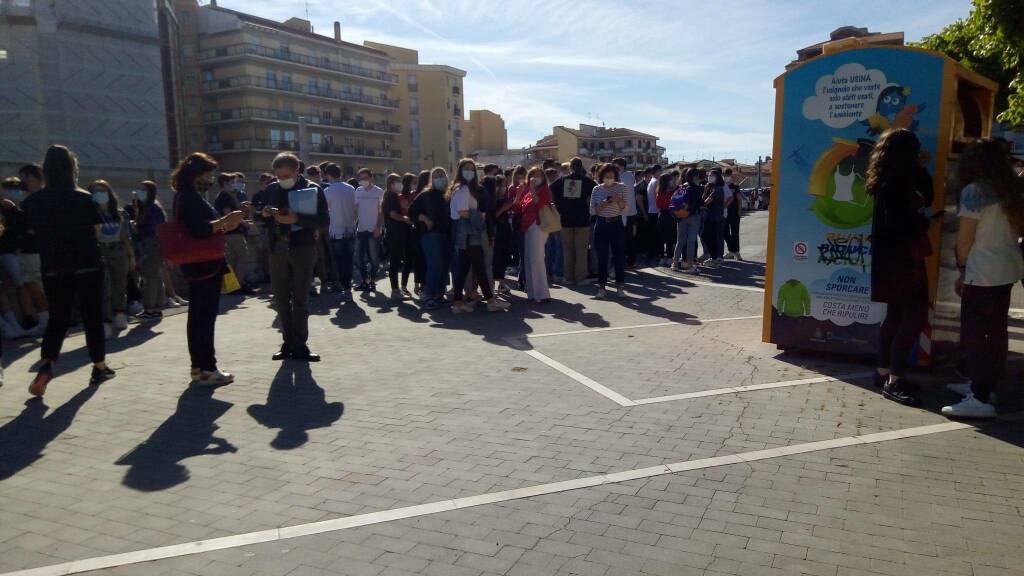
x: 460, y: 307
x: 12, y: 331
x: 180, y: 300
x: 970, y: 407
x: 406, y: 293
x: 194, y: 375
x: 964, y: 389
x: 135, y: 308
x: 215, y: 378
x: 601, y: 293
x: 120, y: 321
x: 108, y: 330
x: 496, y: 305
x: 620, y: 291
x: 100, y: 375
x: 900, y: 391
x: 686, y: 267
x: 397, y: 295
x: 474, y: 296
x: 171, y: 303
x: 675, y: 267
x: 880, y: 379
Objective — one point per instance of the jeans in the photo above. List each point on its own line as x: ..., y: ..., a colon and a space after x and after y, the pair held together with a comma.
x: 686, y: 239
x: 575, y: 242
x: 666, y: 234
x: 343, y: 250
x: 901, y: 329
x: 732, y: 235
x: 433, y: 255
x: 203, y: 305
x: 609, y: 233
x: 115, y: 280
x: 984, y: 336
x: 63, y: 292
x: 291, y: 275
x: 554, y: 263
x: 367, y: 255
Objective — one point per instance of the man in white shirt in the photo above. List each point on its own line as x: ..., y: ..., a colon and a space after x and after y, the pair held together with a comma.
x: 341, y: 202
x: 651, y: 234
x: 368, y: 228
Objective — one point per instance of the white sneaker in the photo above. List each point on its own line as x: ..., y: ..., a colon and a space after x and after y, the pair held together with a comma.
x: 120, y: 321
x: 602, y: 293
x: 496, y: 305
x: 215, y: 378
x: 970, y: 407
x: 620, y: 291
x: 181, y: 300
x: 170, y: 303
x: 108, y: 331
x: 964, y: 389
x: 135, y: 308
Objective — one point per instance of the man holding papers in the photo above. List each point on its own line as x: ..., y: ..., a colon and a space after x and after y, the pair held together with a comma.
x: 295, y: 208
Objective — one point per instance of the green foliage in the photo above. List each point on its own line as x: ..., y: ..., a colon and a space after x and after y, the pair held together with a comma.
x: 990, y: 41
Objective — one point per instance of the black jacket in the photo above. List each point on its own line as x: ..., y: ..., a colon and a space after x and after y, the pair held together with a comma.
x: 307, y: 225
x: 64, y: 222
x: 575, y: 211
x: 192, y: 210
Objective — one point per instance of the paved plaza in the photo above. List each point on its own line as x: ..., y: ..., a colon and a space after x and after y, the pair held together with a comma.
x: 654, y: 434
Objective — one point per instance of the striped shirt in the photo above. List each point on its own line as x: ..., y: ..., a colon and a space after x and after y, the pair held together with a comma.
x: 599, y: 207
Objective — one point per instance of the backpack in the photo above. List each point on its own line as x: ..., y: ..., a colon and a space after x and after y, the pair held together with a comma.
x: 679, y: 205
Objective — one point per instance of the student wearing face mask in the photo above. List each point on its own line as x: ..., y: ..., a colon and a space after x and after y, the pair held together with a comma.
x: 149, y: 215
x: 529, y: 200
x: 292, y: 231
x: 688, y: 197
x: 608, y: 203
x: 190, y: 180
x: 231, y: 198
x: 10, y: 266
x: 341, y: 204
x: 503, y: 235
x: 396, y: 227
x: 664, y: 189
x: 714, y: 220
x: 419, y: 268
x: 429, y: 213
x: 733, y: 202
x: 517, y: 182
x: 116, y: 253
x: 572, y: 198
x: 65, y: 219
x: 368, y: 228
x: 470, y: 232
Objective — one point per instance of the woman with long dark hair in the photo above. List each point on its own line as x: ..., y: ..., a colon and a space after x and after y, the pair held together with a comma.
x: 148, y: 215
x: 988, y: 255
x: 395, y: 210
x: 117, y: 254
x: 663, y: 191
x: 65, y: 221
x: 900, y: 246
x: 530, y: 198
x: 191, y: 180
x: 429, y: 214
x: 469, y: 234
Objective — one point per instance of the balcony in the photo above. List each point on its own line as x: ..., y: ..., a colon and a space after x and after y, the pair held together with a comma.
x: 457, y: 112
x: 456, y: 90
x: 260, y: 83
x: 319, y: 63
x: 268, y: 115
x: 324, y: 148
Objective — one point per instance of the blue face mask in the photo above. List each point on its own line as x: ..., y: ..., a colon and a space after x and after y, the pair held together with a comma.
x: 468, y: 175
x: 15, y: 195
x: 439, y: 183
x: 101, y: 198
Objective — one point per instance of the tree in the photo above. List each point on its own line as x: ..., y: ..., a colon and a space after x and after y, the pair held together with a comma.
x: 990, y: 41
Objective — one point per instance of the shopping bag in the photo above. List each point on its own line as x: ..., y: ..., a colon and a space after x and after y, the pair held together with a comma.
x: 550, y: 219
x: 230, y: 282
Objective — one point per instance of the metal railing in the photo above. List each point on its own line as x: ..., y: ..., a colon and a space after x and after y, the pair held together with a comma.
x: 295, y: 88
x: 322, y: 62
x: 293, y: 145
x: 291, y: 116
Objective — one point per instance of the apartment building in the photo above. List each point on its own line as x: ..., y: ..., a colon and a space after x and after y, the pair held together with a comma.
x: 431, y: 109
x: 257, y: 87
x: 96, y: 76
x: 485, y: 131
x: 598, y: 144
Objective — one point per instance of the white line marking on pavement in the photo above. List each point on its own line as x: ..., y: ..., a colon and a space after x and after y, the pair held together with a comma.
x: 238, y: 540
x: 691, y: 280
x: 751, y: 387
x: 694, y: 322
x: 596, y: 387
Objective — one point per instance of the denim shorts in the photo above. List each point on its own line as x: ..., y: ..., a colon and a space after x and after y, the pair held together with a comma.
x: 10, y: 270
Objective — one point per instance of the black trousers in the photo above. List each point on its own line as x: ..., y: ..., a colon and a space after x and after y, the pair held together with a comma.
x: 905, y: 317
x: 610, y: 235
x: 471, y: 258
x: 732, y: 234
x: 63, y: 292
x: 503, y: 249
x: 203, y: 306
x: 711, y: 235
x: 984, y: 336
x: 291, y: 274
x: 666, y: 234
x: 399, y: 257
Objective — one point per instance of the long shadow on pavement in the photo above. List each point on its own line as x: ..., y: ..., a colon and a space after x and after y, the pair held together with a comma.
x: 155, y: 464
x: 24, y: 439
x: 295, y: 405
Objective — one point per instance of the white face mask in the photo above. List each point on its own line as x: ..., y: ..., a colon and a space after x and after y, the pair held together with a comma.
x: 728, y: 179
x: 238, y: 186
x: 535, y: 182
x: 396, y: 187
x: 286, y: 183
x: 609, y: 181
x: 364, y: 183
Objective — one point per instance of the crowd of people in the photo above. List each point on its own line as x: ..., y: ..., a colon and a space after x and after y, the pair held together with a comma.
x: 474, y: 236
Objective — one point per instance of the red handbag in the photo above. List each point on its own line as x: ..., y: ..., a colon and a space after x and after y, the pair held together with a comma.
x: 179, y: 246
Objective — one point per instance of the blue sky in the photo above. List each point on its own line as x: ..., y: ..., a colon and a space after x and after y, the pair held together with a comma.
x: 696, y: 74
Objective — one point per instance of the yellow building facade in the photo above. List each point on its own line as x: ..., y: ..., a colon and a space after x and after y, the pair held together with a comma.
x: 485, y: 130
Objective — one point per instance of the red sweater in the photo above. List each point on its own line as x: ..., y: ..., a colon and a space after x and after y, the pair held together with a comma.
x: 529, y: 211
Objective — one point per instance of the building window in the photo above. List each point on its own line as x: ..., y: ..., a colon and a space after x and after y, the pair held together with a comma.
x: 271, y: 78
x: 414, y: 133
x: 285, y: 50
x: 414, y: 105
x: 317, y: 138
x: 208, y: 75
x: 275, y: 135
x: 286, y: 81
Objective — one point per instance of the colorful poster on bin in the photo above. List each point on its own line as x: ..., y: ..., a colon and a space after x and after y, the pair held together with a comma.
x: 833, y: 110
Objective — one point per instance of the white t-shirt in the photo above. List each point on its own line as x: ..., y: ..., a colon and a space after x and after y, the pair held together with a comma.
x: 995, y: 257
x: 368, y: 208
x: 341, y: 200
x: 461, y: 200
x: 630, y: 182
x: 652, y: 196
